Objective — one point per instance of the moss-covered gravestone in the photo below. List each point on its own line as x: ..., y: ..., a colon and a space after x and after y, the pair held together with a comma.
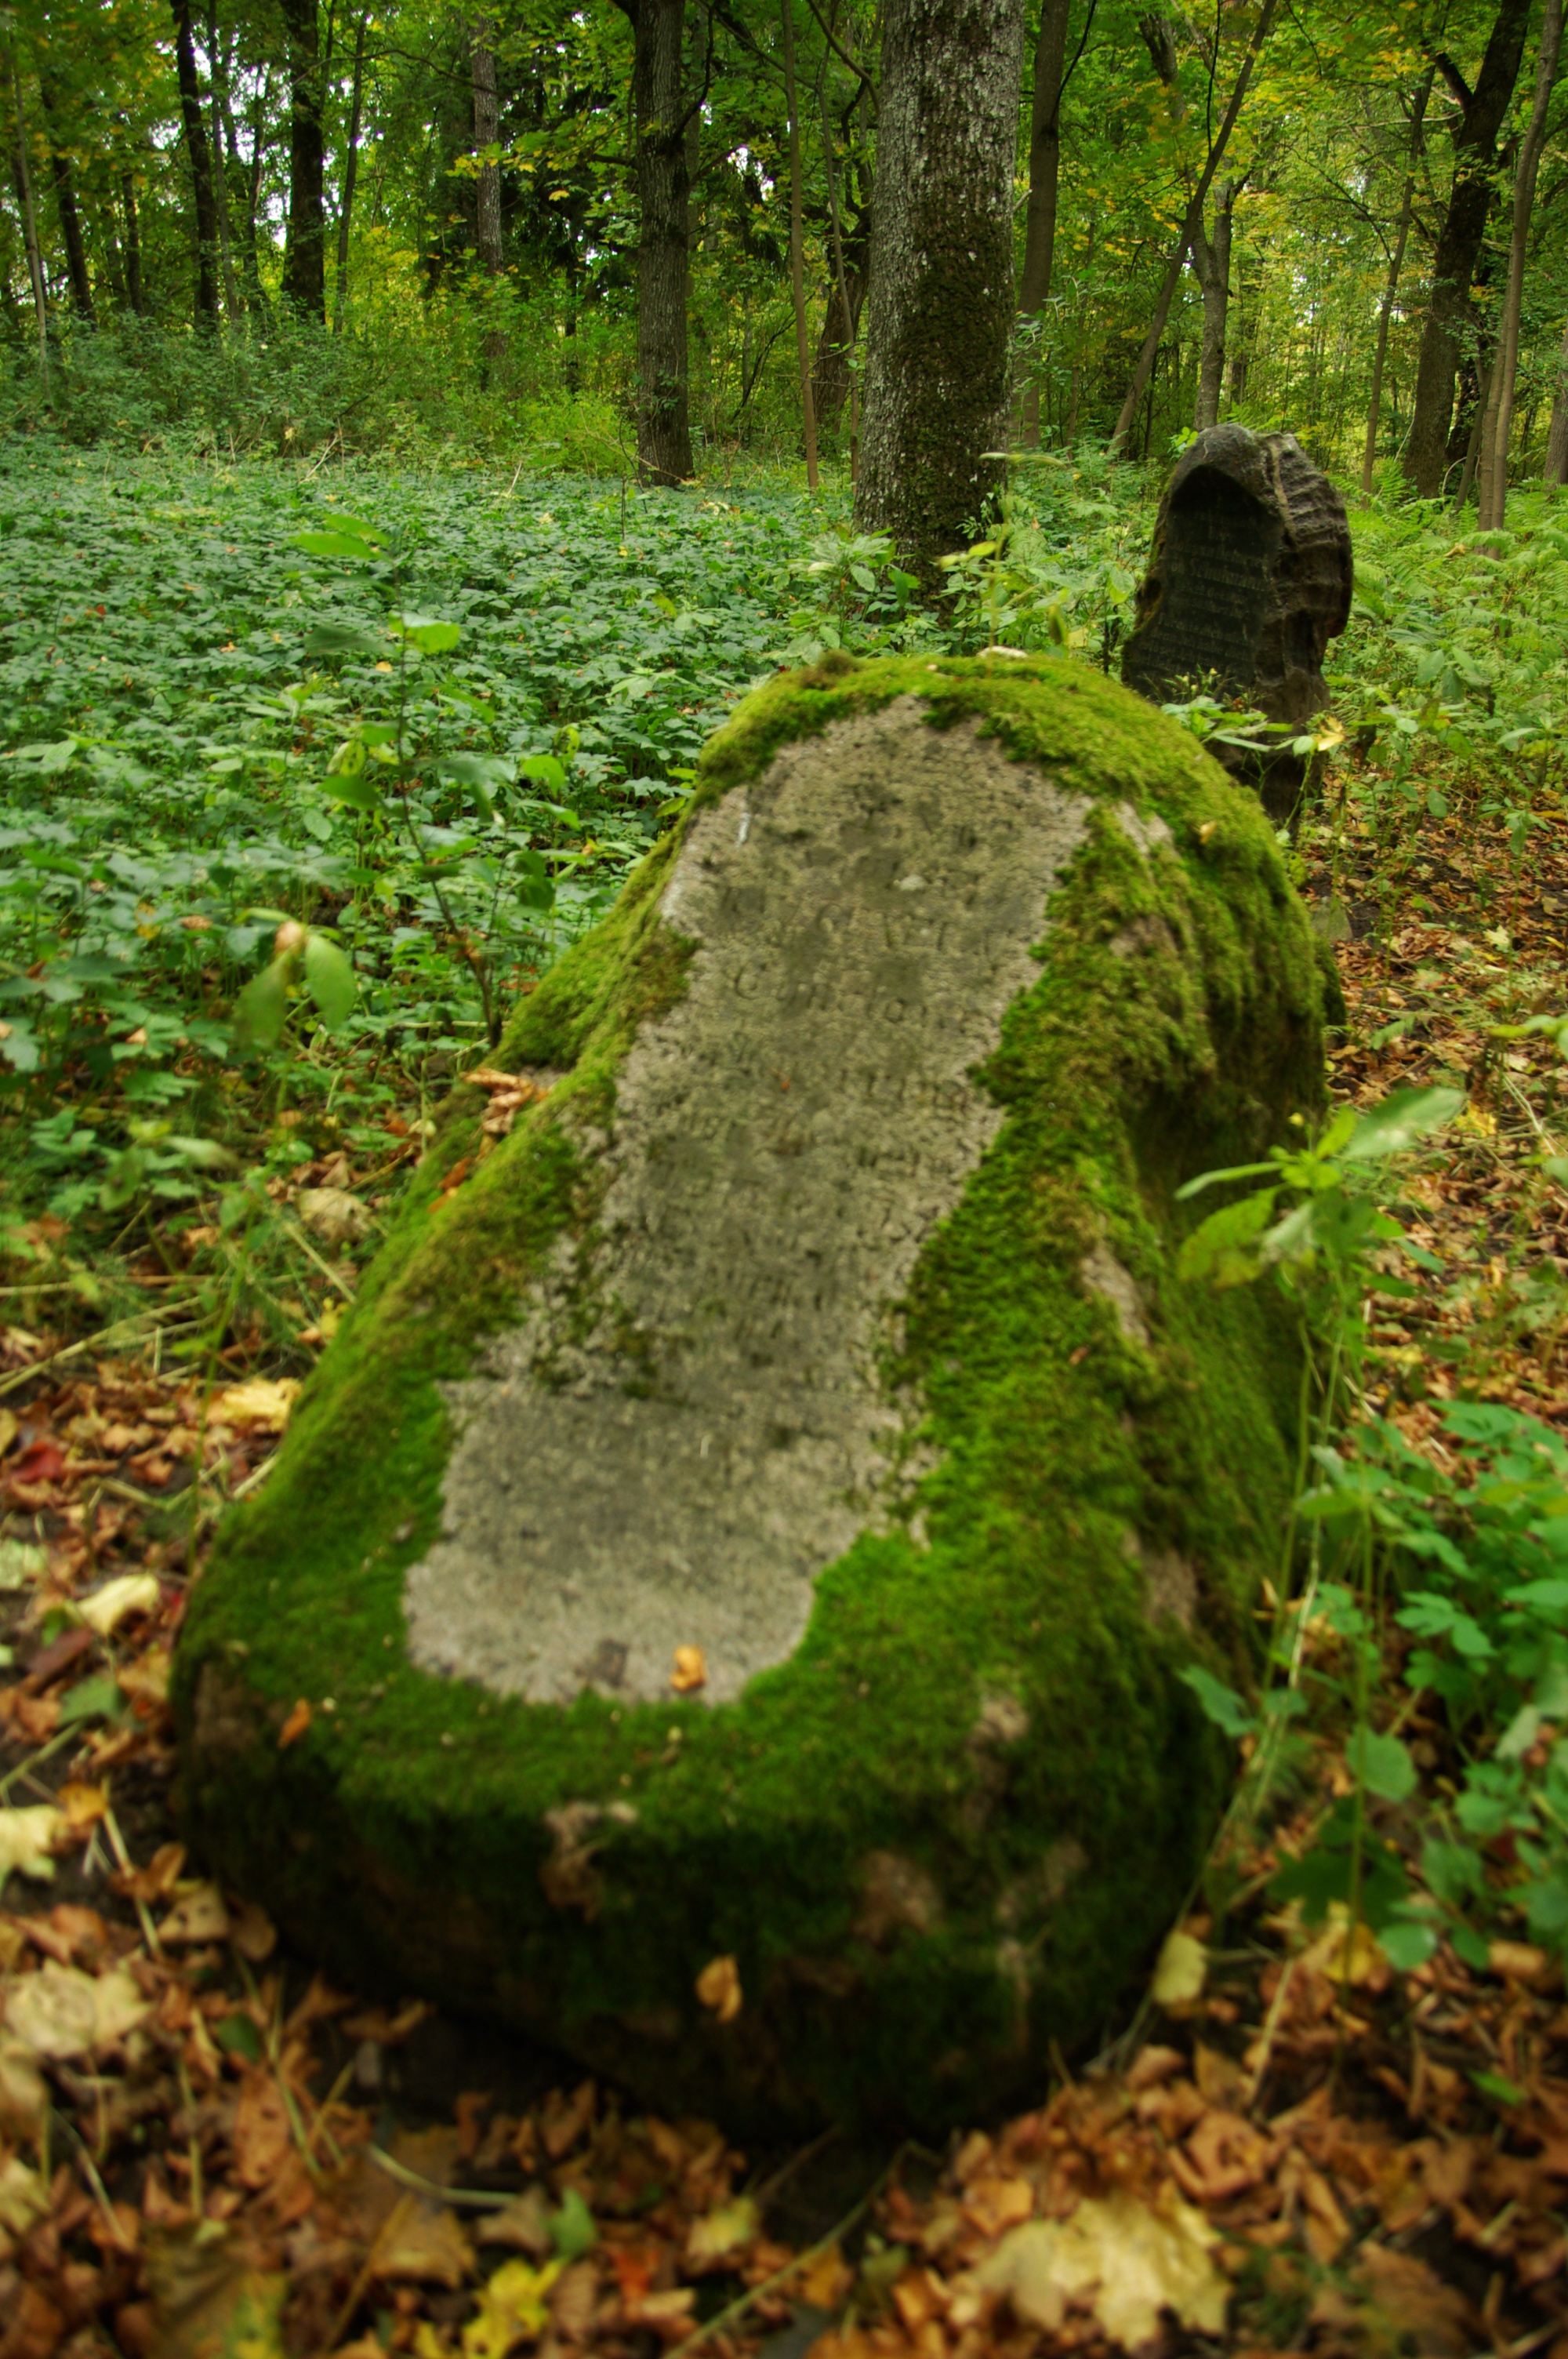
x: 759, y: 1508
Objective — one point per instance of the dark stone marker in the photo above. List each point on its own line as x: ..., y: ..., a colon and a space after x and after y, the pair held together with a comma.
x: 1250, y: 576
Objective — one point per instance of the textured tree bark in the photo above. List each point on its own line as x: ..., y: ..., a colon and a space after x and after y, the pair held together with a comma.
x: 351, y: 178
x: 1481, y: 114
x: 1556, y: 468
x: 1500, y: 403
x: 66, y: 208
x: 1391, y: 285
x: 1044, y: 163
x: 664, y: 431
x: 305, y: 254
x: 1211, y: 267
x: 941, y: 272
x: 1143, y: 367
x: 486, y: 134
x: 201, y: 156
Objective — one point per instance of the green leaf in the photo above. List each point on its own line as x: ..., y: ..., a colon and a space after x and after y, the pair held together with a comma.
x: 1221, y: 1704
x: 1382, y: 1764
x: 1394, y: 1127
x: 544, y: 770
x: 1217, y: 1249
x: 1407, y: 1943
x: 237, y: 2036
x: 341, y: 639
x: 261, y: 1010
x: 572, y: 2229
x: 98, y: 1697
x: 334, y: 544
x: 1495, y: 2085
x: 329, y: 978
x: 360, y: 793
x: 424, y: 632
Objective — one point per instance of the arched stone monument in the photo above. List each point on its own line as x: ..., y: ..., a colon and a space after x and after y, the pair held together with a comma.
x: 740, y: 1548
x: 1249, y: 578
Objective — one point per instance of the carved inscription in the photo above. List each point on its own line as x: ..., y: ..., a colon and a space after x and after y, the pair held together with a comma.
x: 688, y: 1425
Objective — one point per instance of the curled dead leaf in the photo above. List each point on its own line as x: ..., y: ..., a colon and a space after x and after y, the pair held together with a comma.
x: 719, y: 1988
x: 690, y: 1670
x: 295, y: 1726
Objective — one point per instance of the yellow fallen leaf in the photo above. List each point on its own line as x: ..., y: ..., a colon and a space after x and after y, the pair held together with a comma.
x: 419, y: 2245
x: 1129, y: 2261
x: 133, y: 1593
x: 719, y: 1988
x: 27, y: 1837
x: 263, y: 1400
x: 198, y: 1915
x: 1356, y: 1958
x: 722, y: 2231
x: 690, y: 1670
x: 24, y: 2198
x: 512, y: 2305
x: 1181, y: 1970
x: 333, y: 1216
x: 83, y: 1805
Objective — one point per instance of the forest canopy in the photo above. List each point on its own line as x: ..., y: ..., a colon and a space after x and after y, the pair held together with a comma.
x: 1306, y: 217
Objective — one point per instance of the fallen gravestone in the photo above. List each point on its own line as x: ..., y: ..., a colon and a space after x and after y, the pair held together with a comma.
x: 739, y: 1552
x: 1249, y: 579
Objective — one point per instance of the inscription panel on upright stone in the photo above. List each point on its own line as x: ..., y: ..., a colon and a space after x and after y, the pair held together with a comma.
x: 686, y: 1426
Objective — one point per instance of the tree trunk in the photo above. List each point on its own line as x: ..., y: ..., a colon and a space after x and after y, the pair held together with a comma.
x: 232, y: 302
x: 1391, y: 285
x: 351, y: 178
x: 1211, y: 267
x: 66, y: 208
x: 1500, y: 407
x: 135, y: 295
x: 831, y: 376
x: 941, y: 273
x: 253, y: 171
x: 796, y: 271
x: 305, y: 256
x: 1143, y: 367
x: 1556, y: 468
x: 664, y: 432
x: 1044, y: 162
x: 30, y: 224
x: 486, y: 135
x: 1481, y: 114
x: 200, y: 157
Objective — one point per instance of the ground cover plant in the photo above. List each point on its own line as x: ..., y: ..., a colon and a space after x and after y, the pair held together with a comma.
x: 343, y: 762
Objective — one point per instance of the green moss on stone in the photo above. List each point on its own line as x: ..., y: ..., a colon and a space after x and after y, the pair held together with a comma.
x: 409, y: 1836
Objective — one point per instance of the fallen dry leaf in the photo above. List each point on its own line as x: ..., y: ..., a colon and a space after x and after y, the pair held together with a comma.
x: 512, y: 2308
x: 131, y: 1592
x: 1129, y: 2261
x: 297, y: 1723
x: 61, y: 2011
x: 1179, y: 1971
x: 719, y: 1988
x: 198, y: 1915
x: 723, y: 2231
x: 333, y: 1216
x: 690, y: 1670
x: 27, y: 1837
x: 263, y: 1400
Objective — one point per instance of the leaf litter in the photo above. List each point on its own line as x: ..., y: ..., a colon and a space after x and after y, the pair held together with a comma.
x: 1291, y: 2146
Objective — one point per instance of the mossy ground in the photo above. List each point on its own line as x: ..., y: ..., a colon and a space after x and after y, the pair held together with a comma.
x: 1175, y: 1025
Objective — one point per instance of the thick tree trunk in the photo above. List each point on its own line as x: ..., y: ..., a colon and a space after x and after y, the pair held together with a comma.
x: 486, y: 135
x: 1481, y: 114
x: 135, y: 294
x: 658, y: 106
x: 941, y: 272
x: 305, y: 254
x: 1500, y: 404
x: 1211, y: 267
x: 1143, y: 367
x: 201, y: 156
x: 1556, y: 468
x: 1044, y: 163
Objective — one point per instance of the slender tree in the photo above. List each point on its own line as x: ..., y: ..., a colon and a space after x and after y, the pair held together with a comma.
x: 350, y: 176
x: 1494, y: 462
x: 1045, y: 176
x: 200, y: 158
x: 1211, y: 269
x: 304, y: 259
x: 29, y: 218
x: 660, y: 114
x: 135, y: 293
x: 1476, y: 125
x: 218, y: 81
x: 1391, y: 283
x: 66, y: 209
x: 941, y: 272
x: 1143, y: 367
x: 797, y: 268
x: 486, y: 139
x: 1556, y: 467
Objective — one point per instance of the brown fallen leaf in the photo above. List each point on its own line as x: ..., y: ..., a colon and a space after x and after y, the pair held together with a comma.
x: 690, y: 1670
x: 421, y: 2244
x: 198, y: 1915
x: 295, y: 1726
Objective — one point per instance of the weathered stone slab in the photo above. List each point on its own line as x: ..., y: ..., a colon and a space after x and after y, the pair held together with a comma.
x: 817, y: 1335
x: 1249, y: 576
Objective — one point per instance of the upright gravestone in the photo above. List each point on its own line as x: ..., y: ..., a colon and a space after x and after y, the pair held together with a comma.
x: 1249, y: 579
x: 740, y: 1552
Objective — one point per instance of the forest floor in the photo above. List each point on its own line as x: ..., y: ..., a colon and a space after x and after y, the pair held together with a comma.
x: 1286, y: 2143
x: 1299, y: 2148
